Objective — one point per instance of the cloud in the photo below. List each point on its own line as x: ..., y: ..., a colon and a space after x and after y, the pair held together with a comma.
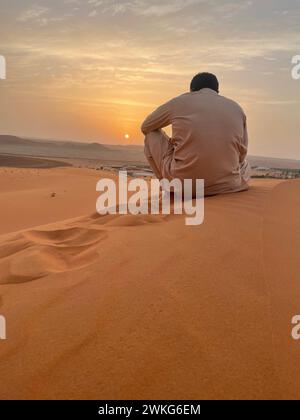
x: 166, y: 8
x: 36, y: 13
x: 39, y: 15
x: 142, y: 7
x: 93, y: 13
x: 96, y: 3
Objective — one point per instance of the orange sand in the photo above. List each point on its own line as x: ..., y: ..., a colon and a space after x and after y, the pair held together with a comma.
x: 144, y: 307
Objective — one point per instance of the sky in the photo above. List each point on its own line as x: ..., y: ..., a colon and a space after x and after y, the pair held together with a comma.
x: 91, y: 70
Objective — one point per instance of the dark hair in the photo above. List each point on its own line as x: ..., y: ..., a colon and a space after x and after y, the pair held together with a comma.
x: 204, y: 80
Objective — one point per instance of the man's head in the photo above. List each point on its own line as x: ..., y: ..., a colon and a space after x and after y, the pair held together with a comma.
x: 204, y: 80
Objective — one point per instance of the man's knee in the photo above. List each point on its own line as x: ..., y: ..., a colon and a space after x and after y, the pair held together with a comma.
x: 246, y: 171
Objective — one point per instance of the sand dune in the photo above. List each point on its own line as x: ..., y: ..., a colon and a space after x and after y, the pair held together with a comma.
x: 48, y: 148
x: 127, y: 307
x: 33, y: 197
x: 70, y: 150
x: 8, y: 161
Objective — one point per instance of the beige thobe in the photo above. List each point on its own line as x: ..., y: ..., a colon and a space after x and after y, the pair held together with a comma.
x: 209, y: 141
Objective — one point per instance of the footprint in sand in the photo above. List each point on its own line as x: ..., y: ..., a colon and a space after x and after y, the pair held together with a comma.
x: 127, y: 220
x: 34, y: 254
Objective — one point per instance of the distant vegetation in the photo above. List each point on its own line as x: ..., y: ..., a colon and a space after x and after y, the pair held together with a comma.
x: 275, y: 173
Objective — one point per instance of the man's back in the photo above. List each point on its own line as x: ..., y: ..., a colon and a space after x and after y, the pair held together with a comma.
x: 209, y: 138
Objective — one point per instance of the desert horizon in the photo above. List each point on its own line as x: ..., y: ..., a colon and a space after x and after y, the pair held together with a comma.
x: 113, y: 156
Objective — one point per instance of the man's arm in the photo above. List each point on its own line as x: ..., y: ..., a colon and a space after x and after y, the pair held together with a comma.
x: 244, y: 143
x: 159, y: 118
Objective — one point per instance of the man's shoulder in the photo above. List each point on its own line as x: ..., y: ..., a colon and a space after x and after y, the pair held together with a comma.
x: 180, y: 97
x: 232, y: 103
x: 184, y: 98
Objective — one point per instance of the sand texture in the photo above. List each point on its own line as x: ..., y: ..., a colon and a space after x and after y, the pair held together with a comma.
x: 144, y: 307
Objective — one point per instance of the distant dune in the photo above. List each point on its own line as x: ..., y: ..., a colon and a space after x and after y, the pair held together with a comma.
x: 104, y: 153
x: 13, y: 141
x: 29, y: 162
x: 49, y: 148
x: 71, y: 150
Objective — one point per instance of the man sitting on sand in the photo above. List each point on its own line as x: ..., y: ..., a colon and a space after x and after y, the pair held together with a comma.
x: 209, y: 138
